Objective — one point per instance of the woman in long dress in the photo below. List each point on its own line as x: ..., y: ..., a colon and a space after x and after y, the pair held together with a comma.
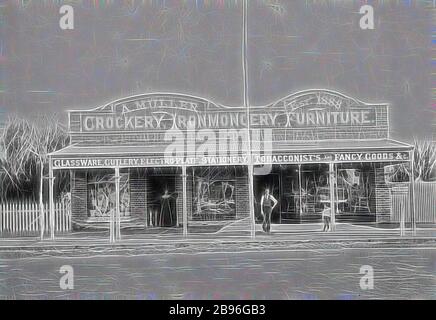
x: 166, y: 210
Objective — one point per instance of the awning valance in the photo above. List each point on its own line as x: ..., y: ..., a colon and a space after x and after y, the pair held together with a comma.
x: 339, y: 151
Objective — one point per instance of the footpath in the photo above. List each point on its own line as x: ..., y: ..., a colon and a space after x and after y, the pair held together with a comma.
x: 282, y: 237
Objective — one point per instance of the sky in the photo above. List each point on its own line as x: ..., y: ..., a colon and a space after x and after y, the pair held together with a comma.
x: 121, y: 48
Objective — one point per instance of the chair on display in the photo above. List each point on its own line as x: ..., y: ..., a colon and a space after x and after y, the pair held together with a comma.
x: 363, y: 197
x: 310, y: 203
x: 350, y: 180
x: 341, y: 199
x: 288, y: 199
x: 309, y: 197
x: 296, y: 196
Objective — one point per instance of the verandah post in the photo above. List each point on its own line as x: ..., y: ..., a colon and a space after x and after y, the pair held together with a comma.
x: 332, y: 195
x: 52, y: 209
x: 251, y: 198
x: 185, y: 203
x: 117, y: 205
x: 412, y: 192
x: 1, y: 217
x: 111, y: 224
x: 300, y: 198
x: 403, y: 217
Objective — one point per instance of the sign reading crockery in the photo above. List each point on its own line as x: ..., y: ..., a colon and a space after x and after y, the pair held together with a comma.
x: 314, y: 109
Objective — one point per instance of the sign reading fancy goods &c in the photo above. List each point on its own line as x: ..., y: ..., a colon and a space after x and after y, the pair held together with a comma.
x: 286, y: 158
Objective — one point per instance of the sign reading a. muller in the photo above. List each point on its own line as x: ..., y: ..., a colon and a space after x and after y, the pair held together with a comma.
x: 303, y: 114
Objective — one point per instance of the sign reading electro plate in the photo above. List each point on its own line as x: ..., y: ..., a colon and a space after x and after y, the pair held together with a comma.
x: 290, y: 158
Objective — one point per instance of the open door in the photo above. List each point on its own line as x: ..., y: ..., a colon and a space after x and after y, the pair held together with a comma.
x: 162, y: 202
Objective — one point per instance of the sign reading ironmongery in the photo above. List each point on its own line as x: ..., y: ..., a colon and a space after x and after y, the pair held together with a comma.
x: 306, y: 112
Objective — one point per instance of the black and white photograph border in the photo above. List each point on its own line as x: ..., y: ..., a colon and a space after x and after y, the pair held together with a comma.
x: 294, y: 165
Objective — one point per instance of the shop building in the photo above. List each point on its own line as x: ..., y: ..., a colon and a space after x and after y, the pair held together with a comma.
x: 174, y: 161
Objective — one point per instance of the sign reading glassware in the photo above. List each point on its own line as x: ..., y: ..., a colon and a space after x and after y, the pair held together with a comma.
x: 285, y: 158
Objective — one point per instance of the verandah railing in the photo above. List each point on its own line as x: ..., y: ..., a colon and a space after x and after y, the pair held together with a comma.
x: 23, y: 218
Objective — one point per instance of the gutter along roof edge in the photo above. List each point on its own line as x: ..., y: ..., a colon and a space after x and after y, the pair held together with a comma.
x: 159, y: 150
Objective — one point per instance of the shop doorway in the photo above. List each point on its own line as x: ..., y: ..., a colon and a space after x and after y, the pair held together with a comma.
x: 271, y: 181
x: 162, y: 201
x: 305, y: 189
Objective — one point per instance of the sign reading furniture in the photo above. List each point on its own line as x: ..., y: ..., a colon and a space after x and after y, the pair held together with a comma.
x: 305, y: 112
x: 146, y: 119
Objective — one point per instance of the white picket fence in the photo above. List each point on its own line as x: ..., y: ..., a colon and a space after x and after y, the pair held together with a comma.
x: 23, y: 218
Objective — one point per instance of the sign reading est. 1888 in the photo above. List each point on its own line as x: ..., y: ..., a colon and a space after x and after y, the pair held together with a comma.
x: 145, y: 113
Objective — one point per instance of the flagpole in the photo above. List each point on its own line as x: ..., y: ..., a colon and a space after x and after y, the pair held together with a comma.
x: 247, y: 108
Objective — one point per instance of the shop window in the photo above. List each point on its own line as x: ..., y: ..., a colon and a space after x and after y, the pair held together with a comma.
x: 396, y: 173
x: 214, y: 199
x: 349, y: 177
x: 102, y: 197
x: 355, y: 189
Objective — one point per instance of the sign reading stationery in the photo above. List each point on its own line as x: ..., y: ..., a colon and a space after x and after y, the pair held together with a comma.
x: 286, y: 158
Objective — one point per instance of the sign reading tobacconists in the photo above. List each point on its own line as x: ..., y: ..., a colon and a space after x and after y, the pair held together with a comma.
x: 332, y: 157
x: 100, y: 162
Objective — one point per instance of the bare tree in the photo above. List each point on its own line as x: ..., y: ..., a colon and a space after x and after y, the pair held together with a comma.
x: 425, y: 160
x: 25, y: 146
x: 47, y: 136
x: 16, y: 162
